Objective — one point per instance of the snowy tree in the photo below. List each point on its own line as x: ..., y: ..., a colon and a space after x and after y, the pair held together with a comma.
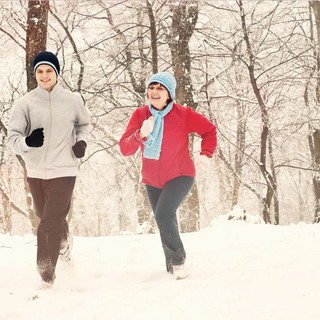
x: 249, y: 66
x: 314, y: 129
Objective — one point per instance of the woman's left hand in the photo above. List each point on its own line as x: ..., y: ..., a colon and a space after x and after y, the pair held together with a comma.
x: 202, y: 163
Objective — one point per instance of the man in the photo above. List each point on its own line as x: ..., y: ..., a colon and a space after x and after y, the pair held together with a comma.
x: 49, y: 129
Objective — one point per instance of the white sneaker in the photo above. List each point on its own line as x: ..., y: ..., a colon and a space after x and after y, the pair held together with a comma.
x: 45, y: 285
x: 180, y: 272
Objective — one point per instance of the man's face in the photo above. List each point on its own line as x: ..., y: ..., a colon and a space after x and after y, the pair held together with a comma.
x: 46, y: 77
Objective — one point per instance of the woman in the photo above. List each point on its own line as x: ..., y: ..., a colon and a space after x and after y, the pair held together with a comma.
x: 161, y: 130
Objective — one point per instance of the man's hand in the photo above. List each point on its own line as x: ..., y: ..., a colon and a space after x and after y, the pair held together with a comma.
x: 35, y: 139
x: 79, y: 149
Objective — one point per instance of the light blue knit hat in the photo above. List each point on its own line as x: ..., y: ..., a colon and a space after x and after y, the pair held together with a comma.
x: 167, y: 80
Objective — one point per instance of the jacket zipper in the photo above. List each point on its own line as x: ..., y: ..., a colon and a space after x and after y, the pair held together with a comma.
x: 49, y: 135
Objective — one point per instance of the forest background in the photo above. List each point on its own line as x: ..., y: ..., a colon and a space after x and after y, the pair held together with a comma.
x: 251, y: 67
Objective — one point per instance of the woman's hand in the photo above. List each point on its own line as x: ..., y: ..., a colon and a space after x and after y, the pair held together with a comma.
x: 202, y: 163
x: 147, y: 127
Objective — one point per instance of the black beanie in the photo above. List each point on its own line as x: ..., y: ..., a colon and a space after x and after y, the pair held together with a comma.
x: 47, y: 58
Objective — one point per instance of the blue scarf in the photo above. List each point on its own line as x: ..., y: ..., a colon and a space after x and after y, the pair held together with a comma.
x: 152, y: 147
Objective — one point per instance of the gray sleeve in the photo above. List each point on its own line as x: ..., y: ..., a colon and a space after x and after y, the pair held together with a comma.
x: 82, y: 122
x: 17, y: 130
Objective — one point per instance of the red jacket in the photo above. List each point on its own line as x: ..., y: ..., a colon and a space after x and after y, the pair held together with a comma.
x: 174, y: 158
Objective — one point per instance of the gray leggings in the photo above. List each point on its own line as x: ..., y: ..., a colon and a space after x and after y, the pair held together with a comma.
x: 164, y: 203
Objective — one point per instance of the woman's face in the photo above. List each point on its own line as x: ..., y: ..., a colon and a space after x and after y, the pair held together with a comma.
x: 158, y: 95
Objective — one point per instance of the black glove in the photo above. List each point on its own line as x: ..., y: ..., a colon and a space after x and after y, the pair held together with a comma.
x: 35, y: 139
x: 79, y: 149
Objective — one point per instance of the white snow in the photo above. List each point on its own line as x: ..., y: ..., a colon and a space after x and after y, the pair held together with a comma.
x: 238, y: 271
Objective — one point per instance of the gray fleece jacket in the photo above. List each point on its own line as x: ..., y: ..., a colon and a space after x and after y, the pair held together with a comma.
x: 65, y: 120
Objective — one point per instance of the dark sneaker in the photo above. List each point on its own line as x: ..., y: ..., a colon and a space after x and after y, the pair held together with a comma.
x: 65, y: 250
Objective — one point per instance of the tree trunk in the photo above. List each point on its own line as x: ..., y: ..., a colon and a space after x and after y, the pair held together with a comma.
x: 189, y: 212
x: 184, y: 19
x: 144, y: 207
x: 269, y: 179
x: 153, y: 33
x: 36, y: 38
x: 36, y: 41
x: 314, y: 144
x: 241, y: 138
x: 314, y: 133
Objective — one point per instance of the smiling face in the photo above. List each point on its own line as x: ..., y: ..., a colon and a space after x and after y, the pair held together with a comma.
x: 46, y: 77
x: 158, y: 95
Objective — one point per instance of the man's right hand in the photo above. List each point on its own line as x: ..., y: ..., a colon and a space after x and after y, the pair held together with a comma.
x: 36, y: 138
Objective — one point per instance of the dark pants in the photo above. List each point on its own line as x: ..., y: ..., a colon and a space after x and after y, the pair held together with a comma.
x: 52, y: 199
x: 164, y: 203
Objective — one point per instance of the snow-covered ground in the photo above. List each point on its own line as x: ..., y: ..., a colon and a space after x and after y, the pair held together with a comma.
x: 238, y: 271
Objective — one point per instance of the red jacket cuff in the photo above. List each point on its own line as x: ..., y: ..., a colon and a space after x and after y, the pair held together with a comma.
x: 138, y: 138
x: 207, y: 153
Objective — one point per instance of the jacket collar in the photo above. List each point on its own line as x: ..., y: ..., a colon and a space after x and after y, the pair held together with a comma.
x: 49, y: 95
